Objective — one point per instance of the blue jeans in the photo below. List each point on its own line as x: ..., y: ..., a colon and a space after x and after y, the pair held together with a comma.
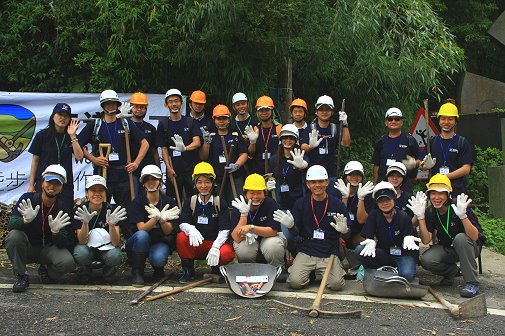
x: 406, y: 264
x: 140, y: 242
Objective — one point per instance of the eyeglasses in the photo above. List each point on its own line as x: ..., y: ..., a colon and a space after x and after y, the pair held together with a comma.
x: 173, y: 101
x: 394, y: 119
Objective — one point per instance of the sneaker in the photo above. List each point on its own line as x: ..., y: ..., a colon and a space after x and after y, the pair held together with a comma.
x: 44, y: 275
x: 360, y: 274
x: 470, y: 290
x: 21, y: 284
x: 447, y: 281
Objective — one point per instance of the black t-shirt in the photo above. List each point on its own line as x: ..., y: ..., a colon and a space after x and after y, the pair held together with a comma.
x: 263, y: 216
x: 150, y: 135
x: 286, y: 174
x: 97, y: 221
x: 239, y: 126
x: 206, y: 217
x: 324, y: 154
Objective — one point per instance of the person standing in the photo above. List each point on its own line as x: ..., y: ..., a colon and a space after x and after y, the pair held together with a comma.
x: 298, y: 110
x: 39, y: 232
x: 197, y: 102
x: 55, y: 145
x: 242, y: 117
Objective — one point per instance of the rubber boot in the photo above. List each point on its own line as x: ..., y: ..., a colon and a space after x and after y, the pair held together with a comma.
x: 158, y: 273
x: 138, y: 263
x: 188, y: 268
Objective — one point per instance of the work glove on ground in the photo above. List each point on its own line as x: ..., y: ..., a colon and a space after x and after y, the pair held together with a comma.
x: 27, y: 211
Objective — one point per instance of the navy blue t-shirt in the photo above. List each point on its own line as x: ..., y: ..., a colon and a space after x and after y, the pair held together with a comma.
x: 324, y: 154
x: 97, y: 221
x: 216, y: 221
x: 239, y: 126
x: 150, y: 135
x: 183, y: 162
x: 263, y: 216
x: 267, y: 138
x: 216, y: 154
x: 112, y: 133
x: 305, y: 223
x: 352, y: 208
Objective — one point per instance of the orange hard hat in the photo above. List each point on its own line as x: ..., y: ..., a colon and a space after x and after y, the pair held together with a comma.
x: 138, y: 98
x: 221, y: 111
x: 198, y: 97
x: 298, y: 102
x: 265, y: 101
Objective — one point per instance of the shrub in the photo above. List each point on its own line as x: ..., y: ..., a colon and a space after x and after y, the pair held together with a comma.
x: 477, y: 185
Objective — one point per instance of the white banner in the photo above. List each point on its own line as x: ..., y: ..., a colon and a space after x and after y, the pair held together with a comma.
x: 23, y: 114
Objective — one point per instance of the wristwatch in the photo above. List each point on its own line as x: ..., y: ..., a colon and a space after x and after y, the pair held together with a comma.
x: 251, y: 227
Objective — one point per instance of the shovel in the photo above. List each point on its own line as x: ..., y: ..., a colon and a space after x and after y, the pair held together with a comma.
x: 474, y: 307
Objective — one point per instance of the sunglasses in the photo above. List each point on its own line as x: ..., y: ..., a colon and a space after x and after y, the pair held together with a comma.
x: 394, y: 119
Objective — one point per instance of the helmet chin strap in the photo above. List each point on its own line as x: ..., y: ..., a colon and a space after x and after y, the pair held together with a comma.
x: 174, y: 111
x: 287, y: 147
x: 447, y: 129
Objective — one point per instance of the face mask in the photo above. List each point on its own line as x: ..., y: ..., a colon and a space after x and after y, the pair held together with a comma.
x: 204, y: 193
x: 256, y: 203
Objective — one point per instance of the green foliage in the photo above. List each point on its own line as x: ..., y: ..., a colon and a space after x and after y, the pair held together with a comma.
x: 478, y: 182
x: 494, y: 229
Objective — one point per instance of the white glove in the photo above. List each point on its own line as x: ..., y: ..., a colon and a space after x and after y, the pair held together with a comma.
x: 298, y: 161
x: 409, y: 243
x: 27, y: 211
x: 342, y: 116
x: 345, y: 189
x: 170, y: 214
x: 125, y: 110
x: 179, y: 143
x: 271, y: 184
x: 340, y: 223
x: 116, y: 216
x: 369, y: 249
x: 250, y: 238
x: 313, y: 138
x: 462, y: 203
x: 418, y: 204
x: 251, y: 134
x: 82, y: 214
x: 60, y: 221
x: 429, y: 162
x: 153, y: 211
x: 206, y: 135
x: 195, y: 237
x: 232, y: 167
x: 241, y: 205
x: 364, y: 190
x: 285, y: 218
x: 213, y: 256
x: 409, y: 162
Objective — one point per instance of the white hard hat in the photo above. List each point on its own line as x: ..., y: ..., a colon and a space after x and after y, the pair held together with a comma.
x: 397, y: 166
x: 394, y: 112
x: 289, y: 129
x: 109, y: 95
x: 325, y: 100
x: 384, y: 189
x: 150, y: 170
x: 353, y: 166
x: 316, y: 173
x: 99, y: 238
x: 55, y: 172
x: 239, y: 96
x: 94, y: 180
x: 173, y: 92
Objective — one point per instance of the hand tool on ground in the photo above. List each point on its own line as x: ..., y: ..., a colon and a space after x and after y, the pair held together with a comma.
x: 129, y: 160
x: 208, y: 278
x: 104, y: 150
x: 314, y: 310
x: 473, y: 307
x: 149, y: 290
x: 339, y: 148
x: 174, y: 182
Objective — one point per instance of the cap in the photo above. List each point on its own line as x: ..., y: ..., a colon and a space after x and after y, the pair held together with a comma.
x: 385, y: 193
x: 94, y: 180
x: 51, y: 177
x: 62, y: 108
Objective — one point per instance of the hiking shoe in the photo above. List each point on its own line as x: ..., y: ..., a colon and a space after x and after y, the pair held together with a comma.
x: 84, y: 274
x: 470, y: 290
x: 44, y: 275
x: 159, y: 273
x: 21, y: 284
x: 447, y: 281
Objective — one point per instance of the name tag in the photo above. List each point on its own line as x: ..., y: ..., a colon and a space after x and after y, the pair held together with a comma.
x: 284, y: 188
x: 318, y: 234
x: 176, y: 153
x: 203, y: 220
x: 351, y: 216
x: 444, y: 170
x: 389, y: 162
x: 222, y: 159
x: 263, y: 155
x: 323, y: 151
x: 395, y: 251
x: 113, y: 156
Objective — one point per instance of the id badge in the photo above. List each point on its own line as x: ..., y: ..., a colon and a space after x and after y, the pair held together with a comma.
x: 389, y: 162
x: 318, y: 234
x: 203, y: 220
x: 395, y: 251
x: 222, y: 159
x: 263, y: 155
x: 284, y: 188
x: 323, y: 151
x: 444, y: 170
x: 113, y: 156
x: 176, y: 153
x: 351, y: 216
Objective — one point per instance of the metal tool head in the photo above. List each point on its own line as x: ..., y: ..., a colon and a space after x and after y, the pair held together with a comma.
x: 382, y: 283
x: 316, y: 312
x: 474, y: 307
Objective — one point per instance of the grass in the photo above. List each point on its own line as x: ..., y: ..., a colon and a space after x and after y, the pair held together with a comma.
x: 494, y: 229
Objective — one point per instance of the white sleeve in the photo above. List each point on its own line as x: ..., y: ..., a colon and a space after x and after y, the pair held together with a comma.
x: 222, y: 236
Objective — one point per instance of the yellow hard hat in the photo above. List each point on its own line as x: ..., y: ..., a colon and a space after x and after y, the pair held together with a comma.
x: 203, y: 168
x: 255, y: 182
x: 138, y: 98
x: 448, y: 110
x: 439, y: 182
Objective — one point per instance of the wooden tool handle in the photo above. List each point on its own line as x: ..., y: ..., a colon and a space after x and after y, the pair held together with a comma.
x: 101, y: 148
x: 324, y: 281
x: 452, y: 308
x: 128, y: 161
x: 180, y: 289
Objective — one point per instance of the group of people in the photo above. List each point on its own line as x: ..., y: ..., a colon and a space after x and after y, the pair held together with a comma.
x: 241, y: 187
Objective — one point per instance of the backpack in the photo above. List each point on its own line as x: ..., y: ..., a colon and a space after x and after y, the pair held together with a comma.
x: 332, y: 125
x: 192, y: 203
x: 96, y: 130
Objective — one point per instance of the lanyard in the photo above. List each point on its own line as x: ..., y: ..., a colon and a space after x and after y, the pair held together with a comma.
x: 317, y: 221
x: 44, y: 222
x: 285, y: 171
x: 325, y: 136
x: 446, y: 227
x: 238, y: 127
x: 252, y: 218
x: 445, y: 153
x: 112, y: 139
x: 390, y: 226
x: 268, y: 138
x: 350, y: 202
x: 96, y: 217
x: 59, y: 146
